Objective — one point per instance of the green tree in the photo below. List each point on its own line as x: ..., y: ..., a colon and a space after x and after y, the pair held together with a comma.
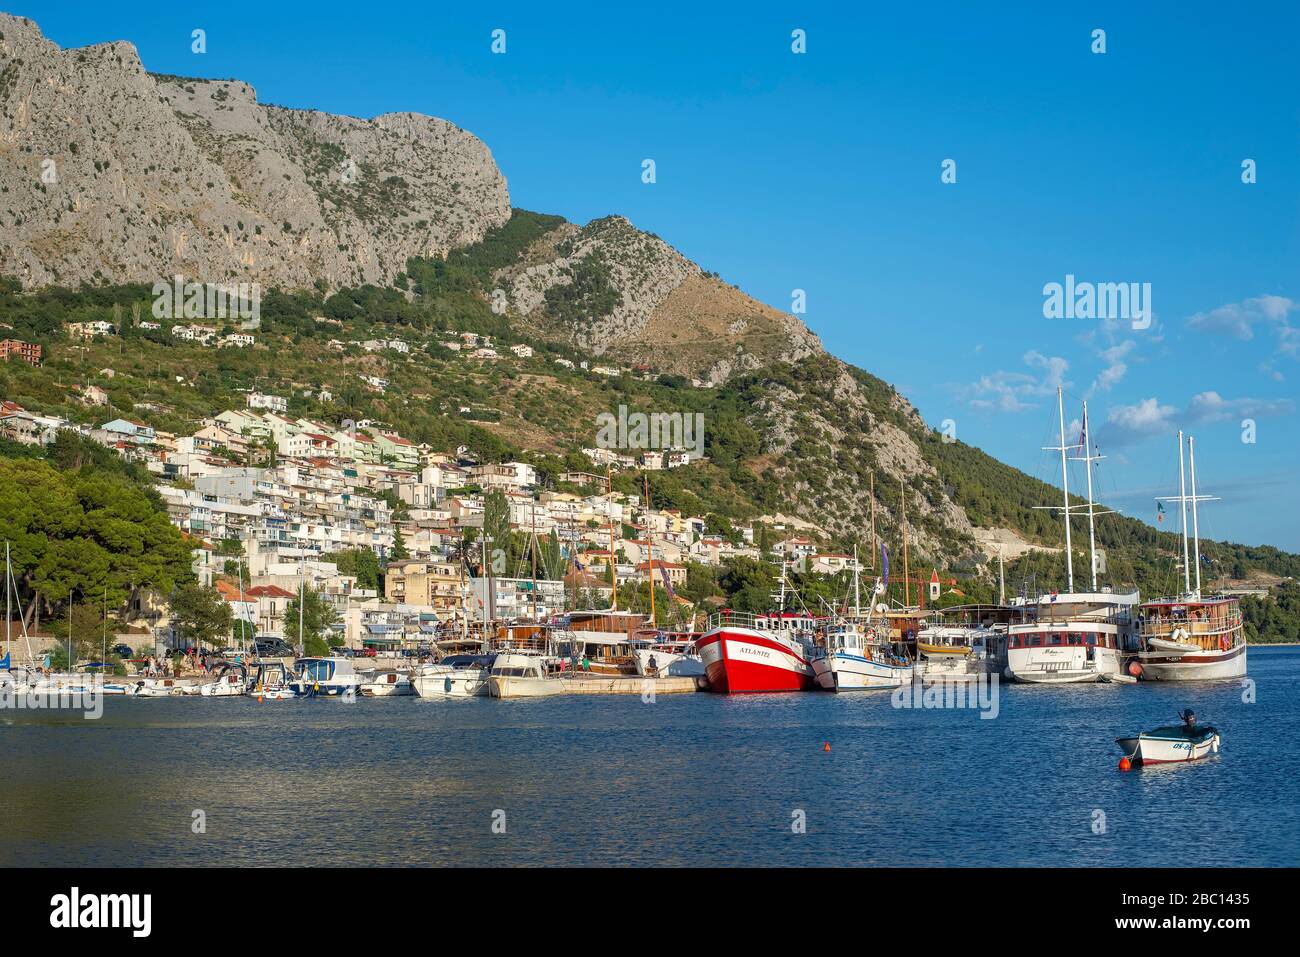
x: 399, y: 551
x: 361, y: 563
x: 200, y: 616
x: 85, y: 533
x: 552, y: 556
x: 317, y: 615
x: 496, y: 520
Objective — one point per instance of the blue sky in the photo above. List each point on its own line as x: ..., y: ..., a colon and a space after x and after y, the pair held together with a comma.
x: 821, y: 172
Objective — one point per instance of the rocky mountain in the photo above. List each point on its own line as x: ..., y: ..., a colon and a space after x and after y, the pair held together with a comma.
x: 110, y: 173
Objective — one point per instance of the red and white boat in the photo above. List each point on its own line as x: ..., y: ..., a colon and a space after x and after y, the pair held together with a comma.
x: 748, y: 654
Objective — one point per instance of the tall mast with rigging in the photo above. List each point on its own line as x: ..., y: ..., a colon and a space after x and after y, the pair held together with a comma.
x: 1087, y: 458
x: 649, y: 551
x: 613, y: 558
x: 907, y: 585
x: 873, y: 520
x: 1182, y: 514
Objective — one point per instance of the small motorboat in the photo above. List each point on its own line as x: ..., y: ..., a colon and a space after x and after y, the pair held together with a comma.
x: 1174, y: 645
x: 459, y: 676
x: 382, y: 684
x: 232, y: 680
x: 1188, y: 741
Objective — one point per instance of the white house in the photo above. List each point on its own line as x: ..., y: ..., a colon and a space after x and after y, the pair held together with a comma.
x: 260, y: 400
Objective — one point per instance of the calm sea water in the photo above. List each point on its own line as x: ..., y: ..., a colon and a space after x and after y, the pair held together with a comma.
x: 687, y: 780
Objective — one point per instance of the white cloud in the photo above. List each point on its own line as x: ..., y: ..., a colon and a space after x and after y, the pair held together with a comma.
x: 1127, y: 424
x: 1240, y: 319
x: 1007, y: 391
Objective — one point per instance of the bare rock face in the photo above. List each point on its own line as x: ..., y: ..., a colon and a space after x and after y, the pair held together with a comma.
x: 614, y: 290
x: 109, y: 172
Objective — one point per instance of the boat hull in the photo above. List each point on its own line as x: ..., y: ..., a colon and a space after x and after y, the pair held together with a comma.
x: 667, y: 664
x: 1156, y: 748
x: 745, y: 661
x: 1199, y: 666
x: 510, y: 686
x: 452, y: 683
x: 842, y: 671
x: 1062, y: 665
x: 323, y: 689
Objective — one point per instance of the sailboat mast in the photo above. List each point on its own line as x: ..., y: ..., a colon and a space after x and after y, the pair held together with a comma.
x: 1182, y: 515
x: 243, y: 632
x: 1087, y: 464
x: 613, y: 560
x: 464, y: 599
x: 649, y: 551
x: 1065, y: 489
x: 907, y: 585
x: 532, y: 521
x: 9, y: 610
x: 1002, y: 578
x: 1196, y: 532
x: 873, y: 521
x: 857, y: 596
x: 302, y: 609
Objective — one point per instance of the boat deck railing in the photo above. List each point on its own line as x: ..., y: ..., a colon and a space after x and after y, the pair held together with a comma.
x: 1155, y: 625
x: 745, y: 619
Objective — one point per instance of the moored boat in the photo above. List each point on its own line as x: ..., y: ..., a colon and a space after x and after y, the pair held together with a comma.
x: 456, y: 676
x: 515, y: 675
x: 329, y: 677
x: 1188, y: 741
x: 386, y: 684
x: 231, y: 681
x: 856, y: 659
x: 1191, y: 637
x: 667, y: 654
x: 1075, y: 637
x: 746, y: 654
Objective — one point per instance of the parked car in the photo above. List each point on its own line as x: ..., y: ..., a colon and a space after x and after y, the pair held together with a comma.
x: 123, y: 651
x: 274, y: 648
x: 365, y: 653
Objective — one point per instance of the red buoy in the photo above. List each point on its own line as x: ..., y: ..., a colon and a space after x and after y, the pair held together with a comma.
x: 826, y: 746
x: 1135, y: 669
x: 1125, y: 764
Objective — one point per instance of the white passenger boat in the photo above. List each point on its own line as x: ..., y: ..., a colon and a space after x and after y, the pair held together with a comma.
x: 1078, y: 636
x: 384, y: 684
x: 1193, y: 636
x: 325, y: 677
x: 516, y: 675
x: 457, y: 676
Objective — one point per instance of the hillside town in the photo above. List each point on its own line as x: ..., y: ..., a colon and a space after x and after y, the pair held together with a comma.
x: 266, y: 499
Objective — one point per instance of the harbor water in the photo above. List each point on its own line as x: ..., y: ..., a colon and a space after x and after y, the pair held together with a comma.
x: 685, y: 779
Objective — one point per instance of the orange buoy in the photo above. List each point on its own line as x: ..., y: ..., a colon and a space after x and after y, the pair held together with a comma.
x: 1135, y: 669
x: 1125, y: 764
x: 826, y: 746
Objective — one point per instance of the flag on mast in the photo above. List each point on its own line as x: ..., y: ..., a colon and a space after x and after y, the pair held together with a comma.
x: 1160, y: 511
